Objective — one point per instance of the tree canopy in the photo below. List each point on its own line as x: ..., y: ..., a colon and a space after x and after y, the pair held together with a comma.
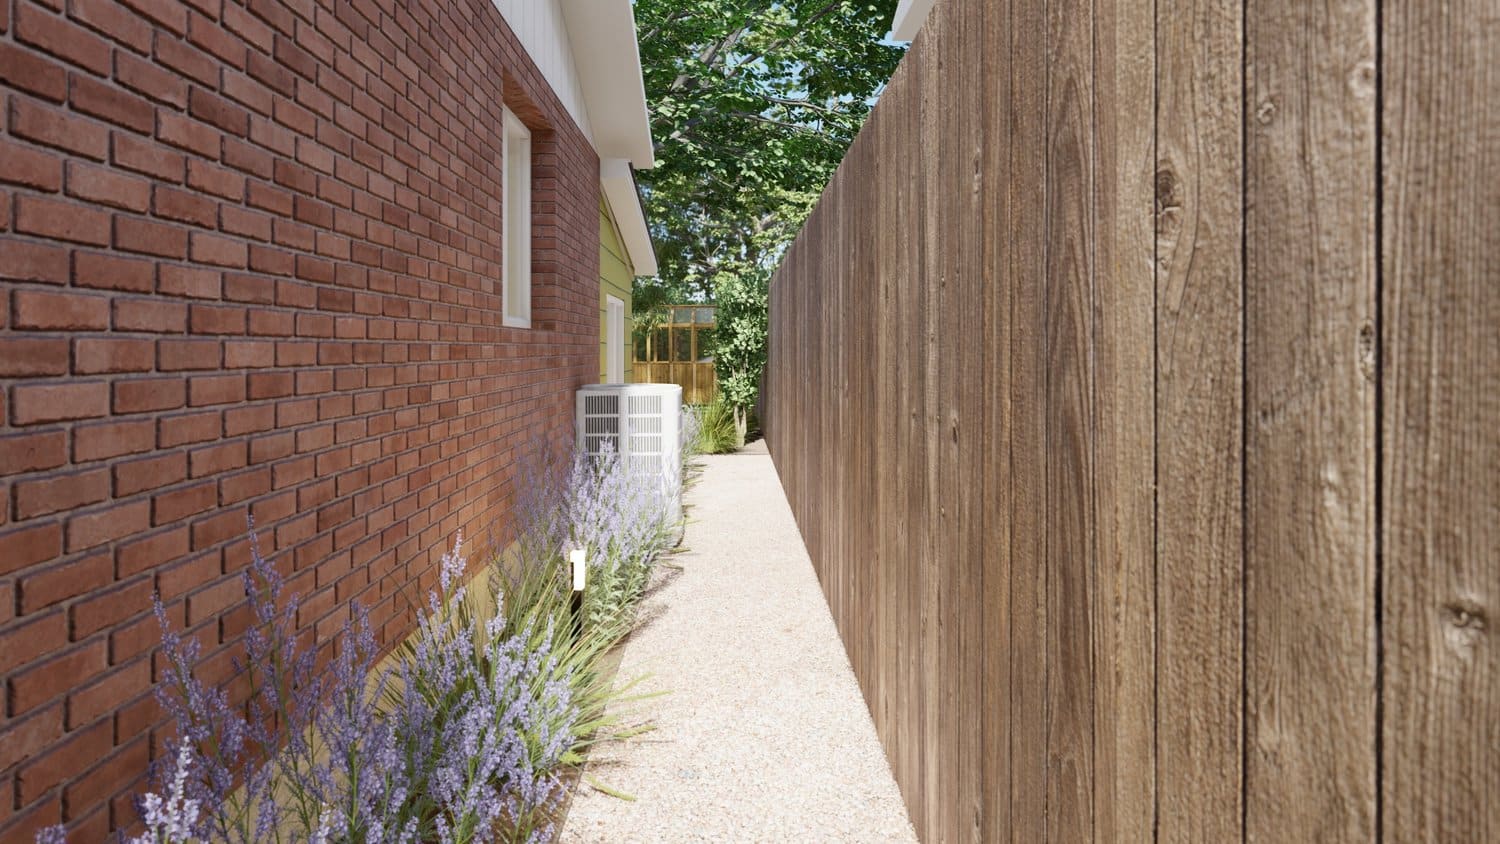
x: 753, y: 104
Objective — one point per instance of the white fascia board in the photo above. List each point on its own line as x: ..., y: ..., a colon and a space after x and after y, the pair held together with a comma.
x: 602, y: 36
x: 630, y: 219
x: 910, y: 15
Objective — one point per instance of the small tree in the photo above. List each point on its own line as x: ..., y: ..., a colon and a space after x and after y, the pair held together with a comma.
x: 740, y: 342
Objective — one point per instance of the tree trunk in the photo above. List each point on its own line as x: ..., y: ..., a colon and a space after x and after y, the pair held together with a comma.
x: 740, y: 421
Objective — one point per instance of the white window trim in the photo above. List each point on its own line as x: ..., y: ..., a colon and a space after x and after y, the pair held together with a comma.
x: 614, y: 339
x: 515, y: 264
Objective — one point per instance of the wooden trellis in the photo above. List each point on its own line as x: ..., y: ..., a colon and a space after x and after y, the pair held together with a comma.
x: 680, y: 352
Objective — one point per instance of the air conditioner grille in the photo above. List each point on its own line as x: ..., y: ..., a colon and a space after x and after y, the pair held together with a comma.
x: 639, y: 422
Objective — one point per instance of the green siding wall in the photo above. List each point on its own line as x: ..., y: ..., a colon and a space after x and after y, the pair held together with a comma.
x: 615, y: 276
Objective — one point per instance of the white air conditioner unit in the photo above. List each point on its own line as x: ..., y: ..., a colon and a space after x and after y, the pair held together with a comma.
x: 642, y: 424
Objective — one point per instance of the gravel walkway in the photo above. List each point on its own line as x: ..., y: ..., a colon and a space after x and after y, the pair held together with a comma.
x: 763, y: 735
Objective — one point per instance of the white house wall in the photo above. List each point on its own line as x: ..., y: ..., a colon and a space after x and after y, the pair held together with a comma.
x: 538, y: 25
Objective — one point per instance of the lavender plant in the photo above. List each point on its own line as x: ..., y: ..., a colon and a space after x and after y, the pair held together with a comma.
x: 317, y: 756
x: 498, y: 718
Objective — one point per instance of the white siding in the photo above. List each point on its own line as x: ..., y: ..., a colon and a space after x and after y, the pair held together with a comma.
x: 539, y: 26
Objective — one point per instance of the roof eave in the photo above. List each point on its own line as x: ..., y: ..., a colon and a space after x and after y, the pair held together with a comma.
x: 609, y: 70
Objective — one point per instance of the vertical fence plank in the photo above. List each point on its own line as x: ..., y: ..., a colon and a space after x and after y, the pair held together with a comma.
x: 1124, y: 360
x: 1310, y: 411
x: 1198, y: 419
x: 1440, y: 453
x: 996, y: 392
x: 969, y: 422
x: 1027, y: 476
x: 1070, y: 459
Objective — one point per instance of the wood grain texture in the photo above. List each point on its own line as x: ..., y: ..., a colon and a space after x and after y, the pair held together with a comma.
x: 1440, y: 384
x: 1075, y: 393
x: 1124, y: 428
x: 1199, y: 430
x: 1310, y: 407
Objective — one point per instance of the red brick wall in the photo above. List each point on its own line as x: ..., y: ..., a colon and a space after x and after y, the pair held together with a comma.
x: 250, y: 254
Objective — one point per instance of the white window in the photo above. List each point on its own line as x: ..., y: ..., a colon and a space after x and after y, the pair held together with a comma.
x: 614, y: 340
x: 515, y: 271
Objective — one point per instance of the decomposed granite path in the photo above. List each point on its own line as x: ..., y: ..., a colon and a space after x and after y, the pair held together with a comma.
x: 763, y: 735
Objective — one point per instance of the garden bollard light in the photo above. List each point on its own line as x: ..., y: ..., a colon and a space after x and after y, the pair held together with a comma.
x: 579, y: 558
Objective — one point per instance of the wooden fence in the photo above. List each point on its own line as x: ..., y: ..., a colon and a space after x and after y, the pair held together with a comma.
x: 1136, y: 386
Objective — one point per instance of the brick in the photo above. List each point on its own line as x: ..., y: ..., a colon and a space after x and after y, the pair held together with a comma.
x: 187, y: 60
x: 186, y: 133
x: 176, y: 505
x: 30, y: 736
x: 144, y: 396
x: 250, y: 28
x: 47, y: 217
x: 248, y: 158
x: 146, y: 156
x: 213, y: 109
x: 113, y: 272
x: 65, y: 40
x: 144, y: 236
x: 178, y: 355
x: 47, y: 311
x: 149, y: 552
x: 182, y: 577
x: 30, y: 822
x: 106, y: 608
x: 29, y: 167
x: 251, y: 224
x: 265, y: 259
x: 249, y: 354
x: 245, y: 485
x: 60, y: 582
x: 21, y: 453
x: 27, y: 546
x: 117, y: 772
x: 210, y: 601
x: 42, y: 683
x: 107, y: 525
x: 249, y: 288
x: 215, y: 389
x: 296, y: 354
x: 76, y: 754
x: 60, y: 492
x: 107, y: 186
x: 216, y: 459
x: 24, y: 261
x: 113, y: 21
x: 192, y: 282
x: 33, y: 404
x: 211, y: 178
x: 30, y: 356
x: 24, y: 70
x: 248, y: 92
x: 249, y: 420
x: 150, y: 315
x: 182, y: 206
x: 54, y: 128
x: 149, y: 473
x: 112, y: 439
x: 118, y: 106
x: 189, y: 428
x: 99, y: 355
x: 146, y: 78
x: 217, y: 250
x: 169, y: 14
x: 270, y: 385
x: 129, y: 641
x: 212, y: 319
